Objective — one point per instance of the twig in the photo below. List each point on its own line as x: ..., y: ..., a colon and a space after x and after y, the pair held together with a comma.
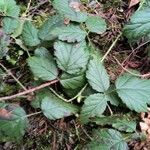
x: 33, y: 114
x: 87, y: 134
x: 66, y: 100
x: 28, y: 7
x: 111, y: 47
x: 33, y: 9
x: 111, y: 112
x: 29, y: 91
x: 134, y: 74
x: 9, y: 72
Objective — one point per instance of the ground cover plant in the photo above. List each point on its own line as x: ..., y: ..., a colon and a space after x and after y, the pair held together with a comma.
x: 61, y: 72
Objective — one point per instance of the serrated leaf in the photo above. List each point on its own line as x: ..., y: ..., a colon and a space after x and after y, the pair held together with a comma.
x: 71, y: 58
x: 97, y: 76
x: 139, y: 25
x: 112, y: 96
x: 105, y: 120
x: 42, y: 52
x: 64, y: 8
x: 36, y: 102
x: 72, y: 81
x: 54, y: 108
x: 96, y: 24
x: 30, y: 34
x: 18, y: 29
x: 43, y: 68
x: 9, y: 8
x: 93, y: 106
x: 134, y: 92
x: 10, y: 25
x: 125, y: 125
x: 70, y: 33
x: 96, y: 145
x: 13, y: 122
x: 111, y: 138
x: 45, y: 32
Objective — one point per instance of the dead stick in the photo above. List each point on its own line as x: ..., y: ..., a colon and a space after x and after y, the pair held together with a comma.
x: 28, y: 91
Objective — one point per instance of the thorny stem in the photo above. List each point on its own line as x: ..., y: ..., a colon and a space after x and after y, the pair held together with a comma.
x: 111, y: 47
x: 28, y: 91
x: 9, y: 73
x: 70, y: 100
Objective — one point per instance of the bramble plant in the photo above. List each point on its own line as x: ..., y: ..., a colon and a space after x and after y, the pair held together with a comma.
x: 64, y: 55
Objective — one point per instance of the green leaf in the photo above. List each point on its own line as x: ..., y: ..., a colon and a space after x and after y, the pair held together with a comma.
x: 134, y: 92
x: 9, y: 8
x: 96, y: 145
x: 70, y: 33
x: 71, y: 93
x: 112, y: 96
x: 42, y: 52
x: 125, y: 125
x: 97, y: 76
x: 93, y: 106
x: 54, y: 108
x: 105, y: 120
x: 30, y: 34
x: 71, y: 58
x: 13, y: 122
x: 43, y: 68
x: 10, y: 25
x: 144, y: 4
x: 64, y: 7
x: 40, y: 95
x: 45, y: 32
x: 72, y: 81
x: 18, y: 30
x: 96, y: 24
x: 139, y: 25
x: 112, y: 139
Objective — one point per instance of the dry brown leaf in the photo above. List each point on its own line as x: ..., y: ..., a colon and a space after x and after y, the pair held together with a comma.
x: 133, y: 3
x: 5, y: 114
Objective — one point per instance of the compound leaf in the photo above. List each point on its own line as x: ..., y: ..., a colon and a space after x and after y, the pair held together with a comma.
x: 70, y: 33
x: 30, y: 34
x: 97, y: 76
x: 71, y: 58
x: 134, y: 92
x: 54, y: 108
x: 66, y: 8
x: 43, y: 68
x: 96, y: 24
